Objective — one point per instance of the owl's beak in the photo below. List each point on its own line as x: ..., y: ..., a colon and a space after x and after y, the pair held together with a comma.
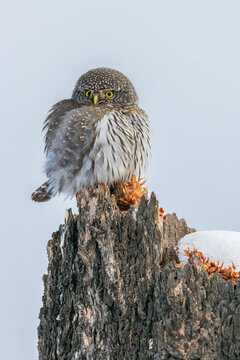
x: 95, y: 98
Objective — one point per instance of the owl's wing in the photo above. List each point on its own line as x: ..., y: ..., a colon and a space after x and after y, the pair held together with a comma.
x: 55, y: 118
x: 71, y: 133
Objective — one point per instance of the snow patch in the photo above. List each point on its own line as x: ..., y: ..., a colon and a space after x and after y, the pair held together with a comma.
x: 216, y: 244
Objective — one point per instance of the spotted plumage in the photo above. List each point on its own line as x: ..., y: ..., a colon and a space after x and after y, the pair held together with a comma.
x: 100, y: 135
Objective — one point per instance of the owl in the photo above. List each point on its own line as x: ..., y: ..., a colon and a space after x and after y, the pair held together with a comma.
x: 100, y: 135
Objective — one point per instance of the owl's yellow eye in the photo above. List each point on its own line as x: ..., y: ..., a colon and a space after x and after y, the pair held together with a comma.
x: 88, y: 93
x: 109, y: 94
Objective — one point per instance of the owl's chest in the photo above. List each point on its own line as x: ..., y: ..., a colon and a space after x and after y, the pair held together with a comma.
x: 112, y: 139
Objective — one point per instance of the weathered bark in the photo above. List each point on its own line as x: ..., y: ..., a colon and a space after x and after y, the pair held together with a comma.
x: 113, y: 292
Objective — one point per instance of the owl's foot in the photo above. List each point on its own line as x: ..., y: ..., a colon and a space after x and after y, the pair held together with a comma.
x: 92, y: 190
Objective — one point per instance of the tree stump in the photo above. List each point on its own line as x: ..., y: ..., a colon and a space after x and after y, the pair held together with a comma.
x: 113, y: 291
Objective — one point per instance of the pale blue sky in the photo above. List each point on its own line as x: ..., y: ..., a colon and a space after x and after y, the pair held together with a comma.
x: 183, y: 58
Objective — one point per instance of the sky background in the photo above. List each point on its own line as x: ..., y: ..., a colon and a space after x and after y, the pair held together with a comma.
x: 183, y: 58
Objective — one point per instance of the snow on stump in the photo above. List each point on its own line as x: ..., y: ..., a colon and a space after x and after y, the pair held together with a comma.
x: 217, y: 245
x: 113, y: 290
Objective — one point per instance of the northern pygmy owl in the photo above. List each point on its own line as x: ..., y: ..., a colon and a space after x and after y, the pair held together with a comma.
x: 100, y: 135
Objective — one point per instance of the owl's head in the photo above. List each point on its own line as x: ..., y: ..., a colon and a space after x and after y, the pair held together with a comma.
x: 104, y: 85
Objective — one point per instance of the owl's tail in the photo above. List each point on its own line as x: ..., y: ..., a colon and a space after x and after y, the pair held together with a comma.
x: 43, y: 193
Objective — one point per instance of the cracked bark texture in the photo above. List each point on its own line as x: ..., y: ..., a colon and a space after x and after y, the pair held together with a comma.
x: 113, y: 292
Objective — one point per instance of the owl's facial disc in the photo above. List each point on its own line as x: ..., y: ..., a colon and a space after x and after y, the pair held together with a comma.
x: 108, y: 84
